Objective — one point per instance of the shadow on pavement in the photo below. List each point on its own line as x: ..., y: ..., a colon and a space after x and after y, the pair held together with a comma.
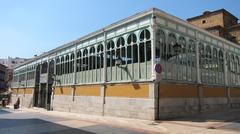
x: 2, y: 111
x: 225, y: 116
x: 36, y: 126
x: 227, y: 120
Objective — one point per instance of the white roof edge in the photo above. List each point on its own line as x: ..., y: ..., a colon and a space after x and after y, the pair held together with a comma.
x: 136, y: 16
x: 185, y: 23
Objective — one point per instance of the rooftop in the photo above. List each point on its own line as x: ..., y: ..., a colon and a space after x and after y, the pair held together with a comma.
x: 208, y: 13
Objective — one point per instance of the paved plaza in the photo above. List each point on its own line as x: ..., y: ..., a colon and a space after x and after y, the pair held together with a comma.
x: 40, y: 121
x: 22, y: 122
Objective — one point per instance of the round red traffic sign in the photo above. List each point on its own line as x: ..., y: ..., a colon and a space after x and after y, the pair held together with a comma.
x: 158, y: 68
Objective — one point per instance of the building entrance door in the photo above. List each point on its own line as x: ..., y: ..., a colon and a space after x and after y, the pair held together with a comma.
x: 50, y: 83
x: 37, y: 84
x: 42, y: 99
x: 43, y: 85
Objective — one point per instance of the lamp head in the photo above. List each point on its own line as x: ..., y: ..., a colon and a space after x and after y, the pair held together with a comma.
x: 118, y: 61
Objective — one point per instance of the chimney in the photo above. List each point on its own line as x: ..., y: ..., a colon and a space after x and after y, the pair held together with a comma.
x: 206, y: 12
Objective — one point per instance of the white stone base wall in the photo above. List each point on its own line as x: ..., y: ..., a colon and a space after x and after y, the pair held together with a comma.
x: 141, y: 108
x: 235, y: 102
x: 80, y: 104
x: 25, y: 100
x: 87, y: 105
x: 174, y: 107
x: 114, y: 106
x: 129, y: 107
x: 212, y: 104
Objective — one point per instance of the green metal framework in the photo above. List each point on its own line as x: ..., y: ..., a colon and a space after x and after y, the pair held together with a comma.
x: 187, y: 54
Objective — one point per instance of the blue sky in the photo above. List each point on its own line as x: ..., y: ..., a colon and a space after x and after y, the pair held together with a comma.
x: 30, y: 27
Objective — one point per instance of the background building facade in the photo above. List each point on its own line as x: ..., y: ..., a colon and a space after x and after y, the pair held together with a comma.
x: 220, y: 22
x: 3, y: 73
x: 12, y: 62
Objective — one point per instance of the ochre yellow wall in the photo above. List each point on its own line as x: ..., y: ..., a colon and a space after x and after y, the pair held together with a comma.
x: 29, y: 91
x: 177, y: 91
x: 22, y: 90
x: 128, y: 90
x: 235, y: 92
x: 214, y: 92
x: 92, y: 90
x: 63, y: 90
x: 14, y: 91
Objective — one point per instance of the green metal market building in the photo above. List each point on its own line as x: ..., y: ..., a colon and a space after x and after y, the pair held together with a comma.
x: 150, y: 65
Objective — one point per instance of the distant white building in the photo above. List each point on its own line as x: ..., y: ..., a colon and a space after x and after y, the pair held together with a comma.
x: 12, y: 62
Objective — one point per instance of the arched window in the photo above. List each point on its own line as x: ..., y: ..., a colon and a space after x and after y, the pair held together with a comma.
x: 85, y: 60
x: 110, y: 54
x: 100, y: 56
x: 44, y: 68
x: 161, y: 45
x: 132, y: 49
x: 132, y: 38
x: 238, y: 61
x: 221, y: 61
x: 208, y: 57
x: 182, y: 42
x: 215, y: 59
x: 191, y: 53
x: 62, y: 65
x: 72, y: 63
x: 22, y: 77
x: 120, y: 50
x: 172, y: 40
x: 232, y: 63
x: 67, y: 64
x: 237, y: 65
x: 92, y: 59
x: 228, y: 61
x: 232, y: 76
x: 144, y: 35
x: 79, y: 60
x: 58, y: 66
x: 28, y: 72
x: 120, y: 42
x: 145, y: 46
x: 191, y: 46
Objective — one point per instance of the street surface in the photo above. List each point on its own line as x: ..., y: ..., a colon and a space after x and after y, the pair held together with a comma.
x: 21, y: 122
x: 40, y: 121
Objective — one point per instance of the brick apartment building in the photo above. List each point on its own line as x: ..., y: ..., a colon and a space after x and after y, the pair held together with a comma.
x: 220, y: 22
